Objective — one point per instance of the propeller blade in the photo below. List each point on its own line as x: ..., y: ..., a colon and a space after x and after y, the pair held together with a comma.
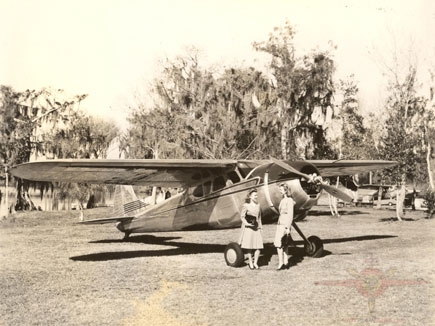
x: 329, y: 189
x: 336, y: 192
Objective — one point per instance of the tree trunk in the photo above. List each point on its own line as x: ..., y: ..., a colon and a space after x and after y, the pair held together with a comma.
x: 425, y: 139
x: 55, y: 201
x: 379, y: 203
x: 91, y: 202
x: 156, y: 152
x: 330, y: 205
x: 335, y: 202
x: 400, y: 197
x: 23, y: 202
x: 7, y: 191
x: 284, y: 136
x: 429, y: 169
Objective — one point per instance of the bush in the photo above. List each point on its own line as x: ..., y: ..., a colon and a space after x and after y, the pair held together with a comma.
x: 429, y: 200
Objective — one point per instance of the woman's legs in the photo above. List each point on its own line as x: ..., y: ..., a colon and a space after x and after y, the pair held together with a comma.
x: 250, y: 258
x: 280, y: 262
x: 256, y: 256
x: 285, y: 252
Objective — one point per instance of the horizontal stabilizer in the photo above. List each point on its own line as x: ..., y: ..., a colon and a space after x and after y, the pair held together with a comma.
x: 108, y: 220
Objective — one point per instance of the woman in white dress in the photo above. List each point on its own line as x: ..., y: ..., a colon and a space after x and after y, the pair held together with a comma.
x: 250, y: 237
x: 284, y: 224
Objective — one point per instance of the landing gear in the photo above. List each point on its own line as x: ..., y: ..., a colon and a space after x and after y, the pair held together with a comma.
x: 313, y: 246
x: 234, y: 255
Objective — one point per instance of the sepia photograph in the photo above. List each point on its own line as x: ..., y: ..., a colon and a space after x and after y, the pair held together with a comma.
x: 212, y: 163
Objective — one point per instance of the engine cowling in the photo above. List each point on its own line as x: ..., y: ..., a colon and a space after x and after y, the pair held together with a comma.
x: 271, y: 175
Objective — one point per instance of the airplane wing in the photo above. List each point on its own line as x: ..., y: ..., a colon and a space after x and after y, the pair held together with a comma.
x: 331, y: 168
x: 108, y: 220
x: 167, y: 172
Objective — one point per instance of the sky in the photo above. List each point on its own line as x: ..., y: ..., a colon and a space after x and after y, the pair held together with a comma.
x: 111, y: 49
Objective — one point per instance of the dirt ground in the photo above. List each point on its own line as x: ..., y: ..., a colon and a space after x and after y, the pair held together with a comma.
x: 374, y: 271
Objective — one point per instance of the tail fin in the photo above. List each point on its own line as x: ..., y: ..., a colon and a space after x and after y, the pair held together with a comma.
x: 126, y: 202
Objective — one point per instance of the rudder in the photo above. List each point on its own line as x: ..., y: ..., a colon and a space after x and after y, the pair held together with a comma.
x: 125, y: 202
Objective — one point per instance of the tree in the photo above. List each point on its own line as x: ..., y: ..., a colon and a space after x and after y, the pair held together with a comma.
x: 356, y: 141
x: 200, y: 114
x: 25, y: 117
x: 304, y: 90
x: 400, y: 141
x: 44, y: 122
x: 81, y: 137
x: 238, y: 112
x: 426, y: 122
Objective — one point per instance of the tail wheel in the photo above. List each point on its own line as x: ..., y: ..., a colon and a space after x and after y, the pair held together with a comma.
x: 234, y: 255
x: 314, y: 248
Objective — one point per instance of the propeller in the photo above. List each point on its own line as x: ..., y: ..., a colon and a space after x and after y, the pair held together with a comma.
x: 315, y: 179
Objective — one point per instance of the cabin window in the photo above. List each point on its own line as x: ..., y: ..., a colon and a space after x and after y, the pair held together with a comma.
x: 233, y: 176
x: 198, y: 192
x: 218, y: 183
x: 207, y: 187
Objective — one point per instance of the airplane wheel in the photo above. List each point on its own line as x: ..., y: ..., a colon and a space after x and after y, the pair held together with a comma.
x: 234, y: 255
x: 316, y: 248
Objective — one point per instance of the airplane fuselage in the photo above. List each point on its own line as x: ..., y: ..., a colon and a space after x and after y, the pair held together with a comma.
x: 215, y: 201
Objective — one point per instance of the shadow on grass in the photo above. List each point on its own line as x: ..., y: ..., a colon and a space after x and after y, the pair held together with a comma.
x: 180, y: 248
x: 296, y: 255
x: 190, y: 248
x: 350, y: 239
x: 395, y: 219
x: 360, y: 238
x: 341, y: 212
x: 147, y: 239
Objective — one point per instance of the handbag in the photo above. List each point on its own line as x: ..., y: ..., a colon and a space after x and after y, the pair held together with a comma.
x: 252, y: 220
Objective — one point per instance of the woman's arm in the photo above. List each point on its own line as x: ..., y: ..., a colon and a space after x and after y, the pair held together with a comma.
x: 243, y: 214
x: 290, y: 213
x: 260, y: 223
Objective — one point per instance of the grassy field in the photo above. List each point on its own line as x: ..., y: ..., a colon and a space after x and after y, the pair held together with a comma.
x: 375, y: 271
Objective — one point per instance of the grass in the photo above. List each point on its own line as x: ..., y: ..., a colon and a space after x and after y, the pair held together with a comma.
x: 54, y: 272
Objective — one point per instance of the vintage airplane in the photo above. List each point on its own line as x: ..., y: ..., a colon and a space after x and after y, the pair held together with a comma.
x: 213, y: 191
